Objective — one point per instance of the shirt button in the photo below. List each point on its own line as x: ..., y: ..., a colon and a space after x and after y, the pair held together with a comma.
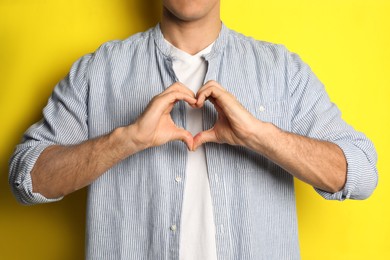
x: 178, y: 179
x: 173, y: 228
x: 261, y: 108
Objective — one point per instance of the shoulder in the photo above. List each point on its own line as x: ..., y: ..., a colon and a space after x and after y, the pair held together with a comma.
x: 246, y: 44
x: 129, y: 44
x: 116, y: 54
x: 269, y: 54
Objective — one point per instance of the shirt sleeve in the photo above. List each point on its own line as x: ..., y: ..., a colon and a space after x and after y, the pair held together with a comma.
x: 315, y: 116
x: 64, y: 122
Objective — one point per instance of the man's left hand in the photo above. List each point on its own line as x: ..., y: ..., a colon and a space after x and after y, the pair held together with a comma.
x: 234, y: 124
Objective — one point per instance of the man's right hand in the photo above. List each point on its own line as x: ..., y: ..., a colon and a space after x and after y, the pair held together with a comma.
x: 61, y: 170
x: 155, y: 126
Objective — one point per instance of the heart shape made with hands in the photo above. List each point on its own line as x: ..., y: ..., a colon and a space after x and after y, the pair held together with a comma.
x: 209, y: 135
x: 232, y: 116
x: 156, y: 126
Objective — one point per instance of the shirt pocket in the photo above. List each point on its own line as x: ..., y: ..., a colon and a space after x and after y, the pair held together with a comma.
x: 275, y: 112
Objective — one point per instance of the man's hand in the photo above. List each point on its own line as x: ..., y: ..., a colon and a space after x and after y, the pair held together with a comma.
x: 234, y: 124
x: 61, y: 170
x: 319, y: 163
x: 155, y: 126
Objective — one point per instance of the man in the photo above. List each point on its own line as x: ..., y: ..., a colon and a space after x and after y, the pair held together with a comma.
x: 189, y: 136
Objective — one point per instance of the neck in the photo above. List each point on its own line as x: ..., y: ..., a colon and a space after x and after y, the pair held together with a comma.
x: 190, y: 36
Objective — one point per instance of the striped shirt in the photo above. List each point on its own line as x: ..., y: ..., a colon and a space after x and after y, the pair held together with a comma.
x: 134, y: 209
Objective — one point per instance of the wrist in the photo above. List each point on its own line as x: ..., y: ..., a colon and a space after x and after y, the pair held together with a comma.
x: 264, y: 136
x: 126, y: 140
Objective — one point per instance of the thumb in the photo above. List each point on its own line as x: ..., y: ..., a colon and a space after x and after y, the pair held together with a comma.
x: 185, y: 136
x: 204, y: 137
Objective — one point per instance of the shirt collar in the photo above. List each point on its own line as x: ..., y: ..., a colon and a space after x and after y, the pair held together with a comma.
x: 177, y: 53
x: 166, y: 50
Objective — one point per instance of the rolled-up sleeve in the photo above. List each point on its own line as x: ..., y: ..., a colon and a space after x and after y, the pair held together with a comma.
x: 315, y: 116
x: 64, y: 122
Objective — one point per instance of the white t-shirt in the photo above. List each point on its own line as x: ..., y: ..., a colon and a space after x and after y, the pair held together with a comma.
x: 197, y: 228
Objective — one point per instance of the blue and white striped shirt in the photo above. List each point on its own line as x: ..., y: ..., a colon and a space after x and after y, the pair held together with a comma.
x: 133, y: 205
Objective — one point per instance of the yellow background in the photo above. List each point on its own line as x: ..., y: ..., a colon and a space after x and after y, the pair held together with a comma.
x: 346, y: 42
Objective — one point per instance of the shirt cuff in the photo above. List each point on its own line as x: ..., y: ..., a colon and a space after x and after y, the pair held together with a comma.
x: 361, y: 175
x: 23, y: 184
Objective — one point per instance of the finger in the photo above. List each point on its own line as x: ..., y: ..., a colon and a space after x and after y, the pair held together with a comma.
x: 217, y: 107
x: 223, y: 101
x: 164, y: 104
x: 180, y: 94
x: 209, y: 91
x: 180, y: 87
x: 210, y: 88
x: 204, y: 137
x: 213, y: 83
x: 166, y: 101
x: 185, y: 136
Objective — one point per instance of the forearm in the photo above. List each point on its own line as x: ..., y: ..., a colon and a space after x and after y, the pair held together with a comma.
x: 319, y: 163
x: 61, y: 170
